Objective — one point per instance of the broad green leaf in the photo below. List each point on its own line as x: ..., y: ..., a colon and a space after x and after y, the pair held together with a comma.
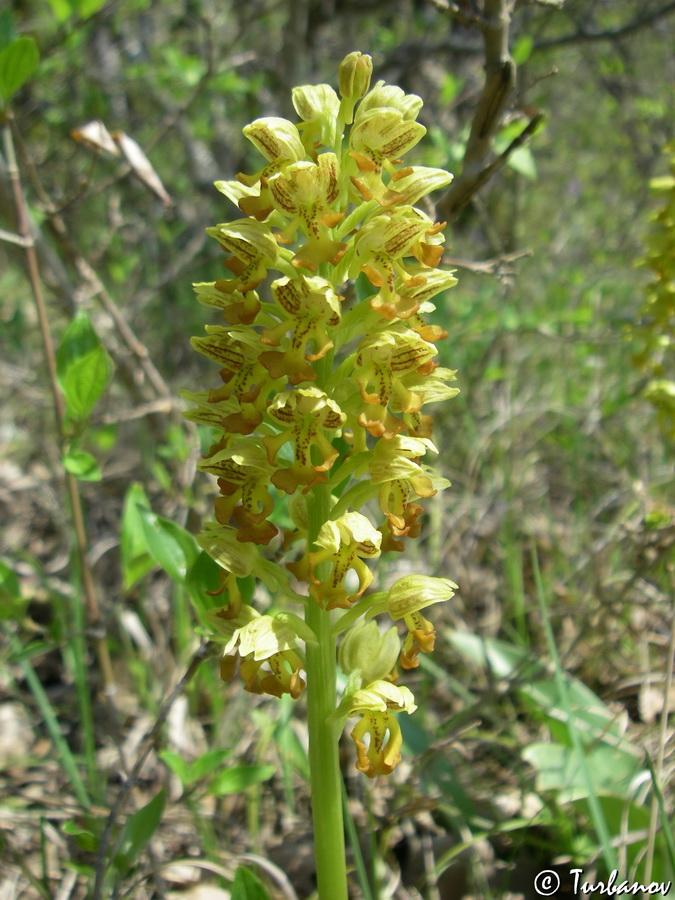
x: 78, y: 340
x: 85, y: 381
x: 592, y: 718
x: 191, y: 773
x: 82, y: 465
x: 247, y: 886
x: 18, y: 61
x: 12, y: 604
x: 176, y: 763
x: 83, y: 367
x: 138, y: 830
x: 560, y: 769
x: 238, y: 778
x: 136, y: 559
x: 87, y: 840
x: 522, y: 161
x: 7, y: 33
x: 173, y: 548
x: 206, y: 763
x: 501, y: 659
x: 204, y: 575
x: 521, y: 52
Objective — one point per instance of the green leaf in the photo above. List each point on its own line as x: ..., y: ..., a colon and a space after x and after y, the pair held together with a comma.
x: 138, y: 830
x: 7, y: 33
x: 62, y: 9
x: 238, y: 778
x: 560, y: 769
x: 136, y: 560
x: 12, y: 604
x: 204, y: 575
x: 176, y: 763
x: 247, y: 886
x: 83, y: 367
x: 82, y: 465
x: 86, y: 380
x: 87, y: 8
x: 200, y: 768
x: 78, y: 339
x: 87, y: 840
x: 206, y: 763
x: 173, y: 548
x: 18, y: 61
x: 522, y: 161
x: 521, y: 52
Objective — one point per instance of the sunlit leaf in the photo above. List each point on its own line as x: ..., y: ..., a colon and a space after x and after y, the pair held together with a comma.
x: 82, y: 465
x: 173, y: 548
x: 85, y: 381
x: 18, y: 61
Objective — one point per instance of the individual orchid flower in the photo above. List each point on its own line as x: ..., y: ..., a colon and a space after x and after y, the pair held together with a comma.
x: 237, y: 308
x: 313, y: 307
x: 389, y: 96
x: 306, y: 191
x: 318, y: 106
x: 307, y: 413
x: 409, y: 185
x: 377, y: 735
x: 381, y: 136
x: 405, y: 598
x: 266, y: 649
x: 381, y: 244
x: 236, y: 561
x: 383, y: 360
x: 406, y: 296
x: 253, y: 250
x: 345, y: 543
x: 243, y: 474
x: 278, y: 140
x: 238, y: 349
x: 394, y: 466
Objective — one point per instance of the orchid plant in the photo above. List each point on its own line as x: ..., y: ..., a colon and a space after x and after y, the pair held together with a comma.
x: 320, y: 409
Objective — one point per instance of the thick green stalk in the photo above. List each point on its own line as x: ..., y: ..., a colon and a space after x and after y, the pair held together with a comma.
x: 325, y: 777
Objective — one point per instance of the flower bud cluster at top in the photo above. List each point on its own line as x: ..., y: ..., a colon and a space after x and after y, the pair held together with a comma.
x: 323, y: 393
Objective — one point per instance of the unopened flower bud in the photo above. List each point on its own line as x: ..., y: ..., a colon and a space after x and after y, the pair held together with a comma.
x: 366, y: 649
x: 354, y: 76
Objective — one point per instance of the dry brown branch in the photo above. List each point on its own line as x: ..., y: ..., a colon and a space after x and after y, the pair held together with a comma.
x: 500, y: 76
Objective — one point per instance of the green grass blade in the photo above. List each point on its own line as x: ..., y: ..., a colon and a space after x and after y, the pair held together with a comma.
x: 597, y: 815
x: 67, y: 759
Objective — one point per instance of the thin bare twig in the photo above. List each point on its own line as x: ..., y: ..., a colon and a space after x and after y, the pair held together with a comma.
x: 583, y: 35
x: 72, y: 485
x: 93, y: 283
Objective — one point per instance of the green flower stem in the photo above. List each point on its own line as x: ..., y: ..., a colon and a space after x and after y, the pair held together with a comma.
x: 325, y: 777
